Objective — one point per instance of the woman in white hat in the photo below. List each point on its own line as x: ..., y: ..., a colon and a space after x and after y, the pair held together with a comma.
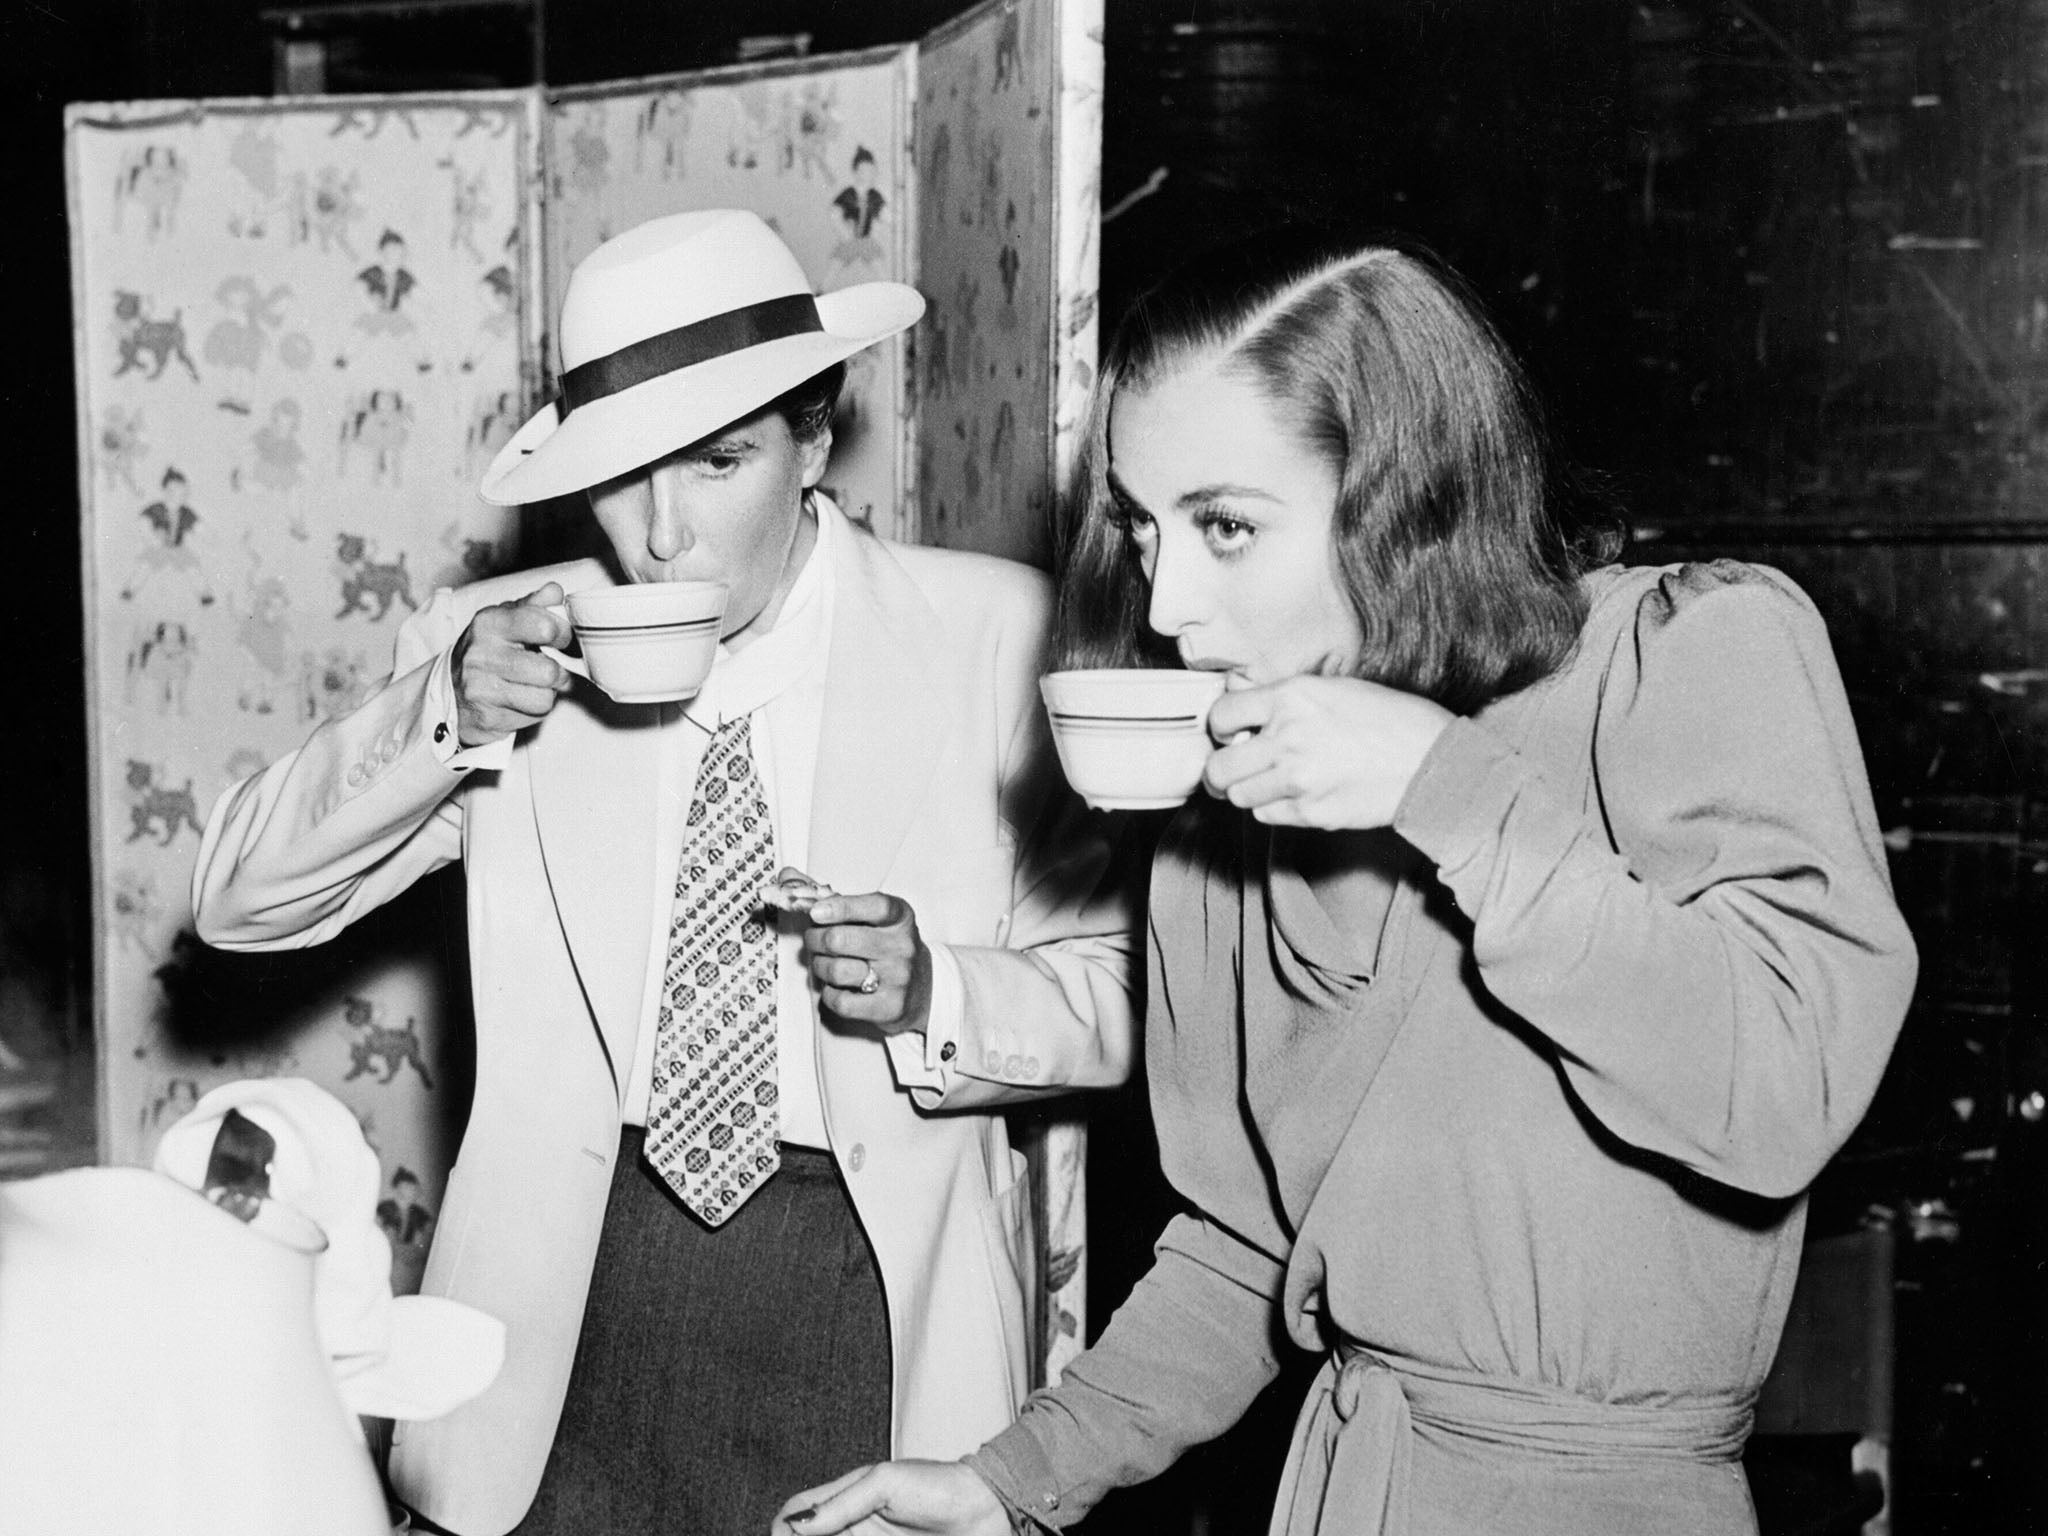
x: 701, y: 1182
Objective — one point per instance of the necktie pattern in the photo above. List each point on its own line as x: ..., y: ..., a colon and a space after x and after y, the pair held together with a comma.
x: 711, y: 1118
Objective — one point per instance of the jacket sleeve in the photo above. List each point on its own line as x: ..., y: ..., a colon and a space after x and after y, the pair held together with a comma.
x: 1048, y: 1009
x: 1710, y: 941
x: 1179, y: 1363
x: 364, y: 808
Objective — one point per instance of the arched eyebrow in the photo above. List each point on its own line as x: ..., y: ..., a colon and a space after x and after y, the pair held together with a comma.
x: 1201, y: 495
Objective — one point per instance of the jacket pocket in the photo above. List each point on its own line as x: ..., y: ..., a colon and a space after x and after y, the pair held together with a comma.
x: 1012, y: 1251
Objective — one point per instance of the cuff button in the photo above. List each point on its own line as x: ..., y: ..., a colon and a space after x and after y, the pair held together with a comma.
x: 947, y: 1051
x: 441, y: 732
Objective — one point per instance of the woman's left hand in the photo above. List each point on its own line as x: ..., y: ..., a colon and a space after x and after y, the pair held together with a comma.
x: 1325, y: 752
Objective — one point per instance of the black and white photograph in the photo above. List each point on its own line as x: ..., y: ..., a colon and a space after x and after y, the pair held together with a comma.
x: 1119, y: 767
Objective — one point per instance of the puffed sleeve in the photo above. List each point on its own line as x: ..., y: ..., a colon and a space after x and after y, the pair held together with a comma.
x: 1709, y: 939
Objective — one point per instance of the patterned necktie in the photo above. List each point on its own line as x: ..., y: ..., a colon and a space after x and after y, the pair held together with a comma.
x: 711, y: 1119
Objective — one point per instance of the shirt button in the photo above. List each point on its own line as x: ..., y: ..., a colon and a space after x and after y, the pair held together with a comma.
x: 857, y: 1158
x: 948, y: 1051
x: 355, y: 774
x: 441, y: 732
x: 390, y: 751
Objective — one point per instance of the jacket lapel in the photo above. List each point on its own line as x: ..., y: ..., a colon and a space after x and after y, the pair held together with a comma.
x: 886, y: 726
x: 597, y: 777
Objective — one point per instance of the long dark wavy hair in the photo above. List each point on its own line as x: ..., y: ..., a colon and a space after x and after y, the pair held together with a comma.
x: 1450, y: 533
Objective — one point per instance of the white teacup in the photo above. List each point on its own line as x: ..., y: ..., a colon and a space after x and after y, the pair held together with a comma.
x: 1131, y: 739
x: 648, y: 642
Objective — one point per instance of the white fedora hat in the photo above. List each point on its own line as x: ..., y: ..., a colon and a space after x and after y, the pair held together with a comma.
x: 674, y: 329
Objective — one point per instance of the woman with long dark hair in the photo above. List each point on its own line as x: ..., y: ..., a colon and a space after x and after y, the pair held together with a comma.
x: 1531, y: 953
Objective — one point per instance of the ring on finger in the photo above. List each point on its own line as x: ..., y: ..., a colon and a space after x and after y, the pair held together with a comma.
x: 871, y: 982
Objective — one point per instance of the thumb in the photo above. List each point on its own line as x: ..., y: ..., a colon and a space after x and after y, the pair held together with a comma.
x: 833, y: 1506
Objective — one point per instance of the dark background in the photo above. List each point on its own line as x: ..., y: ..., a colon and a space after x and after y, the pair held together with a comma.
x: 1777, y: 267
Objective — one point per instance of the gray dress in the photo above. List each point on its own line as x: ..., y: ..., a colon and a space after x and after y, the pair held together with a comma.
x: 1510, y: 1109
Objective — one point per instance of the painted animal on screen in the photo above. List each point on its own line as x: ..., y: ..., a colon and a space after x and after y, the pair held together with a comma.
x: 137, y: 909
x: 469, y: 559
x: 364, y: 581
x: 153, y: 805
x: 137, y: 333
x: 327, y: 208
x: 334, y: 684
x: 378, y: 1044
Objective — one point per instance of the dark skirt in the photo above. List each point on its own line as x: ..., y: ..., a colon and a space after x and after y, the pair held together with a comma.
x: 719, y: 1372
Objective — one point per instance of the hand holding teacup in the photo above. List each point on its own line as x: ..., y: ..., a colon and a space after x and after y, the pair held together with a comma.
x: 503, y: 683
x: 1325, y: 752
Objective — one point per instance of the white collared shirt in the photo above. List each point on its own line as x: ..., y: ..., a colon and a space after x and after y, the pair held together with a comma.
x: 778, y: 678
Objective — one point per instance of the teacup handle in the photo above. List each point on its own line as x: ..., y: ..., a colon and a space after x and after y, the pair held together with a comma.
x: 574, y: 664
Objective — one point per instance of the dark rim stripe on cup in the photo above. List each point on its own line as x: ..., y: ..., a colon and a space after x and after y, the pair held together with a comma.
x: 1126, y: 722
x: 645, y: 629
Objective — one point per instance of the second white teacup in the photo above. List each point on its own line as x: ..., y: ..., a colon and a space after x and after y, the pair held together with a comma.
x: 1131, y: 739
x: 648, y: 642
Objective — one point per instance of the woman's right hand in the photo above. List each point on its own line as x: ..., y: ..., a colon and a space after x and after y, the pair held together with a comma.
x: 932, y: 1498
x: 502, y: 684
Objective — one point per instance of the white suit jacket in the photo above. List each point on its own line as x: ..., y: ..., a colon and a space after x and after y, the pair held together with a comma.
x: 935, y: 782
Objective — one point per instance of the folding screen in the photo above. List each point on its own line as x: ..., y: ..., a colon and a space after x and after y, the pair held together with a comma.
x: 302, y: 330
x: 1009, y: 145
x: 1009, y: 134
x: 304, y: 326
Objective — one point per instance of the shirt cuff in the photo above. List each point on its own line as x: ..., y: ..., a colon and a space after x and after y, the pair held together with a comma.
x: 1018, y: 1471
x: 444, y: 732
x: 923, y: 1059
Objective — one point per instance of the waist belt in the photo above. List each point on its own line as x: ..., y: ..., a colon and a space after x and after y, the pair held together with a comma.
x: 1348, y: 1468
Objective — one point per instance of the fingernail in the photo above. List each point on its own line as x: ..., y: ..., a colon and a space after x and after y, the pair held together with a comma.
x: 802, y: 1515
